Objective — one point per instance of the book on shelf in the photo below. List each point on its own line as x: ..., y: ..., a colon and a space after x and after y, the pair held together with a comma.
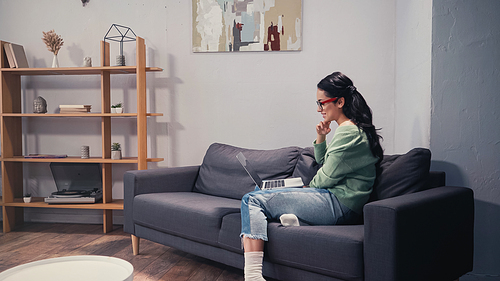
x: 8, y: 54
x: 33, y: 155
x: 16, y: 56
x: 76, y: 108
x: 73, y: 110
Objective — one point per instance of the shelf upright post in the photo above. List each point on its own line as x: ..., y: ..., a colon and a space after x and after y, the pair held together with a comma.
x: 142, y: 122
x: 11, y: 140
x: 107, y: 181
x: 3, y: 58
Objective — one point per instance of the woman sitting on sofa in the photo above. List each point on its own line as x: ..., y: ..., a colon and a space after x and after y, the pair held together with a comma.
x: 340, y: 188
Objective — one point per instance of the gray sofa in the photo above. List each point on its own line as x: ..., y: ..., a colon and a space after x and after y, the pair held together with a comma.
x: 413, y: 228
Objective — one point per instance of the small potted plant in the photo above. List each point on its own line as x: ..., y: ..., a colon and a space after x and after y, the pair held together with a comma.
x: 116, y: 151
x: 27, y: 198
x: 117, y: 108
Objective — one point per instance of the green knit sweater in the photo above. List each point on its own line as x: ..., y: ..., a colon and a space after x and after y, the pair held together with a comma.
x: 348, y: 167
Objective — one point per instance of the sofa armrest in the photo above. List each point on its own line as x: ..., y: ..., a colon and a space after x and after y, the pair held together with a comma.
x: 426, y: 235
x: 179, y: 179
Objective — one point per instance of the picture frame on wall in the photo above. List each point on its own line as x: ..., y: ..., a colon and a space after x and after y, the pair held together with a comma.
x: 248, y: 25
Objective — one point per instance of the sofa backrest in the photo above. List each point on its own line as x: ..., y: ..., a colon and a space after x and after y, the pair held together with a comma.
x: 222, y: 175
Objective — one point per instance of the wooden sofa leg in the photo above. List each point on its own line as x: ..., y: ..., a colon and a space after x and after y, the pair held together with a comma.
x: 135, y: 244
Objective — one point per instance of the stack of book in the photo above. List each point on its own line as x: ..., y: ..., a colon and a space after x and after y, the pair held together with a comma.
x: 74, y: 108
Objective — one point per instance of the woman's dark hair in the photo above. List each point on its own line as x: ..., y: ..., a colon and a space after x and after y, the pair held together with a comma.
x: 355, y: 107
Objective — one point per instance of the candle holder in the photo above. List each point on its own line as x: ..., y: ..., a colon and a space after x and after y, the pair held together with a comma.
x: 122, y: 36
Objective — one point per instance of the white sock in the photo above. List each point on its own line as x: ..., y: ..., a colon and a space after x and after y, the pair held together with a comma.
x: 253, y: 266
x: 289, y: 220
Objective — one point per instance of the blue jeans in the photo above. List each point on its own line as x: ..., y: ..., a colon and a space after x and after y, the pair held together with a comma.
x: 311, y: 206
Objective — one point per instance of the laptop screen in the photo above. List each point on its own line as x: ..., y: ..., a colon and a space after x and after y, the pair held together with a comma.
x: 251, y: 172
x: 76, y: 176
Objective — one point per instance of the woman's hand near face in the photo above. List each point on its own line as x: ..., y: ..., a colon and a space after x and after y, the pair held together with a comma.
x: 322, y: 129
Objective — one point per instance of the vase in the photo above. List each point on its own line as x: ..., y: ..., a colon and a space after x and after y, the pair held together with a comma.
x: 116, y: 154
x: 119, y: 110
x: 27, y: 199
x: 55, y: 62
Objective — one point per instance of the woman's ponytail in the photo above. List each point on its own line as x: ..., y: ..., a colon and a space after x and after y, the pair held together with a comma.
x: 360, y: 113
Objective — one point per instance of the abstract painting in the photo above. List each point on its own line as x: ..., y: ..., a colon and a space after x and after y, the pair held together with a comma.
x: 247, y: 25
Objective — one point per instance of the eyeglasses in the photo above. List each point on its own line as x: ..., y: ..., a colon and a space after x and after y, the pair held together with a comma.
x: 320, y: 103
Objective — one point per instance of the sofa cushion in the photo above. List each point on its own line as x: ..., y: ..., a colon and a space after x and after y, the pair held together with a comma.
x: 189, y: 215
x: 402, y: 174
x: 222, y: 175
x: 306, y: 167
x: 229, y: 236
x: 335, y: 251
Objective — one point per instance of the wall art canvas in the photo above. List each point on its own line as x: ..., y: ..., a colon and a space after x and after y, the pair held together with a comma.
x: 247, y: 25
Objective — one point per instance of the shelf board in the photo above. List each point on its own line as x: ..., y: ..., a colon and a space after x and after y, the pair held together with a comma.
x: 77, y: 159
x: 98, y: 114
x: 77, y: 70
x: 38, y: 202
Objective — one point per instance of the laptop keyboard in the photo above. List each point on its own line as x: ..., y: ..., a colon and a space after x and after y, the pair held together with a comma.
x: 274, y: 184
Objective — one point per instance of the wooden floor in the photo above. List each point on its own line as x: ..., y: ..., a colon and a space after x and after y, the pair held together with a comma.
x: 39, y: 241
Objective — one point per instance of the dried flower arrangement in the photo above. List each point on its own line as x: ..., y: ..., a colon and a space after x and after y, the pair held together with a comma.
x: 53, y: 41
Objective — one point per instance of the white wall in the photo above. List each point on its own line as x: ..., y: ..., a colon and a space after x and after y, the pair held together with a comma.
x: 254, y: 100
x: 413, y: 75
x: 266, y: 100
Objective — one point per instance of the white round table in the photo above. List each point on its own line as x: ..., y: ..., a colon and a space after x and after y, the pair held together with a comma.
x: 73, y: 268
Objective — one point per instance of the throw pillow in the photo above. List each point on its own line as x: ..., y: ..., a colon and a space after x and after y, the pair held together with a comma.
x: 222, y: 175
x: 402, y: 174
x: 306, y: 167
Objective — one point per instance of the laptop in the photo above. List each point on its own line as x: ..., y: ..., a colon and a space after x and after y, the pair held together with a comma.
x: 267, y: 184
x: 76, y: 183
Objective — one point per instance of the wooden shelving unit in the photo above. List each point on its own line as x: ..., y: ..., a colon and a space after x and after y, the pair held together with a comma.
x: 12, y: 159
